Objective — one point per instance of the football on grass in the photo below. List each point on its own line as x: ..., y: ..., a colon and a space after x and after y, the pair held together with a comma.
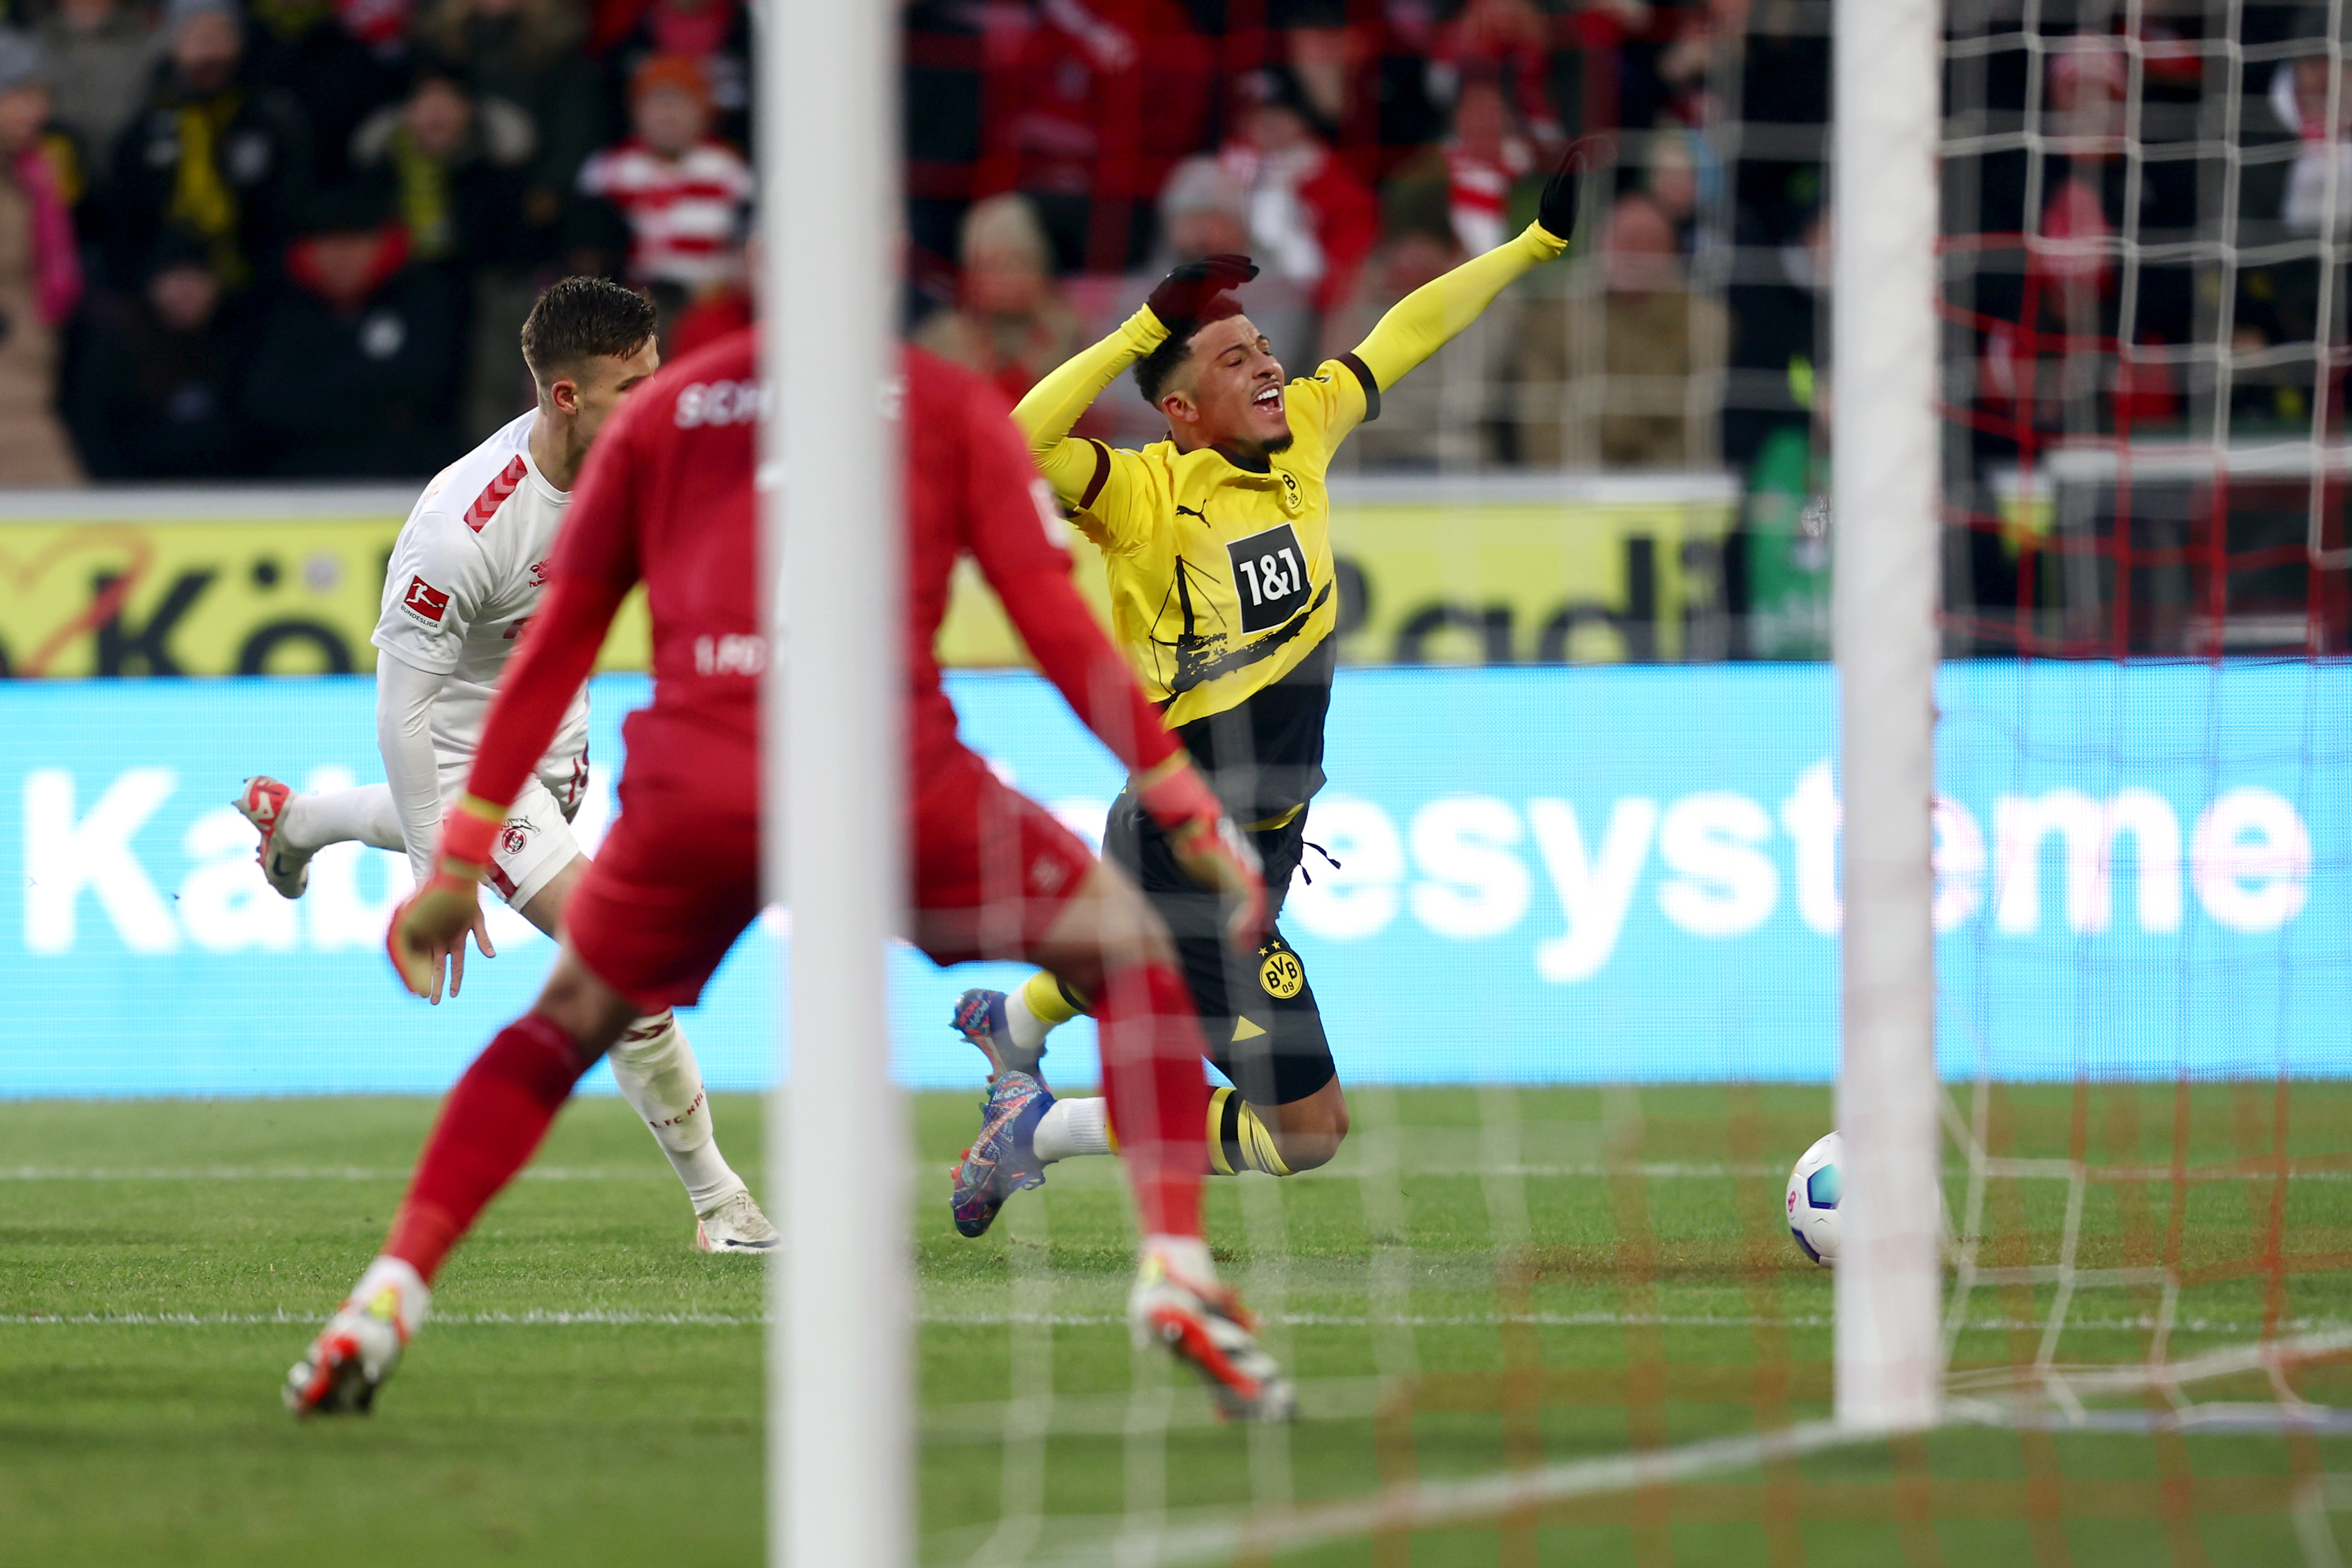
x: 1814, y: 1188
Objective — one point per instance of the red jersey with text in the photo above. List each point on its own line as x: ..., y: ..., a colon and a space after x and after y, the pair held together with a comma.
x: 667, y: 497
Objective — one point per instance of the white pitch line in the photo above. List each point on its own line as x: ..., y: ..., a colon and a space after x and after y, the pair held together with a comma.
x: 628, y: 1318
x: 1433, y: 1504
x: 1427, y: 1505
x: 302, y: 1173
x: 1580, y: 1170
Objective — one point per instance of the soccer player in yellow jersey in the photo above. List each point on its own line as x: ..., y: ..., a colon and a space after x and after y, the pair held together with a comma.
x: 1217, y: 546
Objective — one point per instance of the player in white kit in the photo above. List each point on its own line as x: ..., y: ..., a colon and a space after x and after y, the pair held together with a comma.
x: 464, y: 576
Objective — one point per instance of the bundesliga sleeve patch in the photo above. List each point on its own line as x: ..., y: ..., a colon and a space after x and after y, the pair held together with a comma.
x: 425, y: 602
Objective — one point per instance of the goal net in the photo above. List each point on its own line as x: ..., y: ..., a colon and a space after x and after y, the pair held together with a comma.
x: 1576, y: 932
x: 2146, y: 209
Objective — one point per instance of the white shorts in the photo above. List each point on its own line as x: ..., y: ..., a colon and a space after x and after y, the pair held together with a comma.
x: 537, y: 841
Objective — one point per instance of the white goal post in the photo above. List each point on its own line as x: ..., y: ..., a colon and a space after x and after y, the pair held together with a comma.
x: 1887, y: 496
x: 840, y: 1385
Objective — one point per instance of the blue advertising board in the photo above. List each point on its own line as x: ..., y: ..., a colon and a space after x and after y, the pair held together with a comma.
x: 1523, y: 875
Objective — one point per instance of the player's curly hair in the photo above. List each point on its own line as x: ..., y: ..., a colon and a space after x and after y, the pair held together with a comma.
x: 581, y: 318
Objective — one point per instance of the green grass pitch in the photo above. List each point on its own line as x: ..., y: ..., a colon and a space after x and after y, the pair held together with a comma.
x: 1483, y: 1281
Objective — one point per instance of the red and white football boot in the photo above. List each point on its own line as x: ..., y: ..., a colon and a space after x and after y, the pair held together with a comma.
x: 356, y: 1352
x: 1177, y: 1301
x: 263, y: 802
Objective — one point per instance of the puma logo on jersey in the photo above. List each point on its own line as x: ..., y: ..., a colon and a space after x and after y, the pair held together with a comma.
x: 424, y: 600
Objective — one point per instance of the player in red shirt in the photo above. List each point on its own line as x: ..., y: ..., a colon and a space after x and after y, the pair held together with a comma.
x: 667, y: 498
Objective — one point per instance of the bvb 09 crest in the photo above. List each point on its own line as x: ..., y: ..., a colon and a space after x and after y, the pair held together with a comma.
x: 1281, y: 973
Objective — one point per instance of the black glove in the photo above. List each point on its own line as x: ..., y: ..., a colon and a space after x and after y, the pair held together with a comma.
x: 1197, y: 292
x: 1557, y: 212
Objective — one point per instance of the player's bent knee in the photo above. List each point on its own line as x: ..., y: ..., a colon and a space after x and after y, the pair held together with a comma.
x: 581, y: 1005
x: 1308, y: 1133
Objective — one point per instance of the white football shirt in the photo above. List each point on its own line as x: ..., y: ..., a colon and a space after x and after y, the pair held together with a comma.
x: 466, y: 574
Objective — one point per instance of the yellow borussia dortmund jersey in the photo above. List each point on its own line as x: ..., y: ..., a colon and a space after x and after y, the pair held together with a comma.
x: 1221, y: 576
x: 1220, y: 579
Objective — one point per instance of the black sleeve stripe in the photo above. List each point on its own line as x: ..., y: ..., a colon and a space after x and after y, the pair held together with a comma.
x: 1102, y: 474
x: 1372, y: 387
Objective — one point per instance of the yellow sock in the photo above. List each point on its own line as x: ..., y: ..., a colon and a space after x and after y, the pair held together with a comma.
x: 1050, y: 1001
x: 1238, y: 1141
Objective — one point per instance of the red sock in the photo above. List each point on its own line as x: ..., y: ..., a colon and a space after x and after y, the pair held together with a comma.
x: 1152, y: 1050
x: 490, y: 1126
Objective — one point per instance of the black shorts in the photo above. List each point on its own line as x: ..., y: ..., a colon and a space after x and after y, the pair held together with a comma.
x: 1265, y: 1031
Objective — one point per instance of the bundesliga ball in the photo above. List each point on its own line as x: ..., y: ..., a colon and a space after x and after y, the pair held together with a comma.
x: 1814, y: 1188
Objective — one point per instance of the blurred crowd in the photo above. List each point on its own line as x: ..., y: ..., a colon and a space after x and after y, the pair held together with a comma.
x: 297, y: 237
x: 1063, y: 154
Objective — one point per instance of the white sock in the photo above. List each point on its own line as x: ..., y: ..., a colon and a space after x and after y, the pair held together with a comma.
x: 339, y: 816
x: 663, y: 1084
x: 1027, y: 1030
x: 1071, y: 1127
x: 1187, y: 1257
x: 415, y: 1297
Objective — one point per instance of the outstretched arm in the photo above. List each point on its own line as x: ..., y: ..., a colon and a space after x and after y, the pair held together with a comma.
x: 1193, y: 292
x: 1426, y: 319
x: 1046, y: 415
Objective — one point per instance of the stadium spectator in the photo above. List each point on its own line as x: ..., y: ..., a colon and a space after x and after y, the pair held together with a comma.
x: 1204, y: 210
x: 715, y: 35
x: 457, y: 164
x: 682, y: 192
x: 1383, y: 74
x: 40, y: 273
x: 314, y: 52
x: 528, y: 53
x: 1610, y: 376
x: 157, y: 389
x: 1010, y: 323
x: 2298, y: 95
x: 1079, y: 124
x: 1478, y: 162
x: 1485, y: 157
x: 1673, y: 175
x: 209, y: 151
x: 356, y: 369
x: 1311, y: 220
x: 101, y: 52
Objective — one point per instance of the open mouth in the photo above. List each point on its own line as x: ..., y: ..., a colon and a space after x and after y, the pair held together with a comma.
x: 1270, y: 400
